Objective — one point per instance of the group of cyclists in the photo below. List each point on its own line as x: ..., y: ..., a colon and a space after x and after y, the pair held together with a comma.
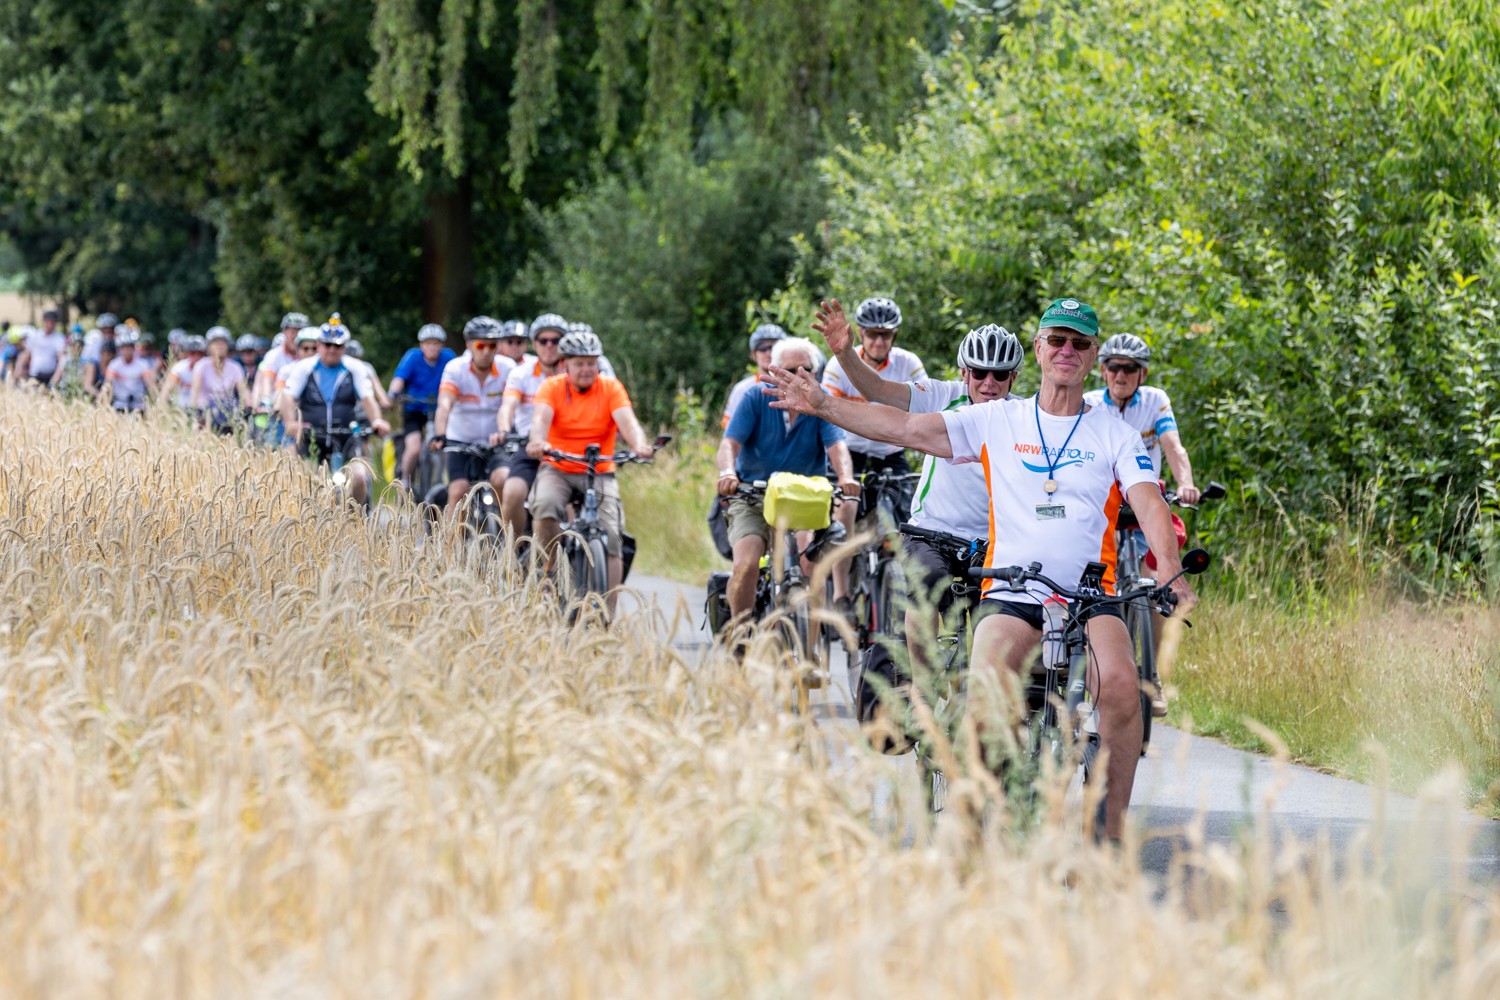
x: 311, y: 390
x: 1040, y: 479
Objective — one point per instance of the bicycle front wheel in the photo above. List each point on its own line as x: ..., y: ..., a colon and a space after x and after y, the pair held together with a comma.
x: 1143, y: 647
x: 597, y: 578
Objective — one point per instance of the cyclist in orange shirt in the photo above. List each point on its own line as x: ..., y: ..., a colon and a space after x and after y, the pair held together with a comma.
x: 573, y: 410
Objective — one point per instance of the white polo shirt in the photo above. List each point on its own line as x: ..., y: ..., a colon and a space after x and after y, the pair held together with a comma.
x: 900, y: 365
x: 476, y: 401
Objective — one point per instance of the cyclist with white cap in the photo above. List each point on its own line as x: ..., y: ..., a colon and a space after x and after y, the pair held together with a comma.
x: 321, y: 398
x: 178, y: 385
x: 546, y: 333
x: 219, y: 391
x: 131, y: 377
x: 418, y: 375
x: 469, y: 398
x: 103, y: 333
x: 575, y: 409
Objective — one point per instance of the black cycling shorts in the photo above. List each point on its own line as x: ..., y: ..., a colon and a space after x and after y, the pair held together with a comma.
x: 414, y: 421
x: 1031, y: 614
x: 472, y: 467
x: 523, y: 467
x: 928, y: 568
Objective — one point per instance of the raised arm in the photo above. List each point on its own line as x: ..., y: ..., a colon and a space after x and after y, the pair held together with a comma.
x: 839, y: 336
x: 926, y: 432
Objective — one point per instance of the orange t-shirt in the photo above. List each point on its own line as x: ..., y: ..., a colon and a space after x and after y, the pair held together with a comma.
x: 580, y: 419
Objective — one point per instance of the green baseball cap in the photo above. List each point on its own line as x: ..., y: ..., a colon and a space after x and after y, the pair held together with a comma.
x: 1072, y: 314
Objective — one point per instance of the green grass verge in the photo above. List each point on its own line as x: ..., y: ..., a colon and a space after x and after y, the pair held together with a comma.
x: 666, y: 506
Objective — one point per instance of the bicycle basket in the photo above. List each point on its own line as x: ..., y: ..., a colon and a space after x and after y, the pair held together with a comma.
x: 799, y: 503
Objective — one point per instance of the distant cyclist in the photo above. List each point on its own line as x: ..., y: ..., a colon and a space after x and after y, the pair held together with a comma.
x: 515, y: 414
x: 178, y: 385
x: 575, y: 409
x: 263, y: 385
x: 418, y: 375
x: 103, y: 333
x: 580, y: 327
x: 322, y: 399
x: 469, y: 397
x: 515, y: 338
x: 762, y: 339
x: 247, y: 351
x: 44, y: 353
x: 219, y: 392
x: 130, y: 377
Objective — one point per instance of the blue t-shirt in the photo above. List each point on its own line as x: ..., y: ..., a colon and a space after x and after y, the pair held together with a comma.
x: 768, y: 445
x: 422, y: 379
x: 328, y: 378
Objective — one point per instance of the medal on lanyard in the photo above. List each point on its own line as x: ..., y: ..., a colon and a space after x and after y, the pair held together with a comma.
x: 1048, y: 511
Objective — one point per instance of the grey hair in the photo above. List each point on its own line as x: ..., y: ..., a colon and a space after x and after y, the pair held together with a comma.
x: 780, y: 349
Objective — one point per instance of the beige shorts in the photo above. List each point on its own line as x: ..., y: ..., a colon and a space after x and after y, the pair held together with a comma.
x: 746, y: 519
x: 555, y: 489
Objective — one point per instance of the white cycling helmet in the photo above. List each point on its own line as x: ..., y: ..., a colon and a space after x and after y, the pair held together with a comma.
x: 482, y: 328
x: 580, y: 343
x: 431, y: 331
x: 247, y: 342
x: 218, y: 333
x: 514, y: 328
x: 107, y: 319
x: 192, y: 343
x: 878, y: 314
x: 294, y: 321
x: 354, y: 349
x: 1125, y: 345
x: 278, y: 340
x: 548, y: 321
x: 990, y: 348
x: 308, y: 335
x: 127, y: 338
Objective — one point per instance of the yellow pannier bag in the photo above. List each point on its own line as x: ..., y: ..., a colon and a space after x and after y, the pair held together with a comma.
x: 799, y: 503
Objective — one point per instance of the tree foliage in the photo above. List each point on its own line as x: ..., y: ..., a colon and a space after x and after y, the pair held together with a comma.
x: 1293, y: 203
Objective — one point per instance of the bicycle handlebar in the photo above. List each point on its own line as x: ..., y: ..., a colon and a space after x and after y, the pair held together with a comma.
x: 1213, y: 491
x: 1016, y: 577
x: 965, y: 546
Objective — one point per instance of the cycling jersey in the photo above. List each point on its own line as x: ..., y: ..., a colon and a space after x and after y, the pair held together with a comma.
x: 128, y: 382
x: 950, y: 496
x: 276, y: 359
x: 900, y: 365
x: 736, y: 394
x: 580, y: 419
x: 523, y: 384
x: 1149, y: 412
x: 47, y: 351
x: 1092, y: 459
x: 219, y: 395
x: 770, y: 442
x: 183, y: 372
x: 476, y: 401
x: 329, y: 410
x: 421, y: 380
x: 92, y: 341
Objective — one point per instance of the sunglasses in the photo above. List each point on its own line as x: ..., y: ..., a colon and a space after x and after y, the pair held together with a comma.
x: 980, y: 374
x: 878, y: 334
x: 548, y: 341
x: 307, y: 348
x: 1118, y: 369
x: 763, y: 347
x: 483, y: 345
x: 1057, y: 340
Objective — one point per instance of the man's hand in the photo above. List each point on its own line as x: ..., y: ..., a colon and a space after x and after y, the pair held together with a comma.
x: 1187, y: 600
x: 1189, y: 494
x: 834, y: 326
x: 437, y: 442
x: 536, y: 449
x: 850, y: 488
x: 294, y: 429
x: 381, y: 427
x: 643, y: 451
x: 799, y: 393
x: 729, y: 484
x: 495, y: 439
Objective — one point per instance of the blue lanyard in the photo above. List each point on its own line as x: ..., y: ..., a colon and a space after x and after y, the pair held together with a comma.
x: 1051, y: 484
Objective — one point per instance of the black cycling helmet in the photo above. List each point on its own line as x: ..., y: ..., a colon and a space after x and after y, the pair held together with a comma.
x: 482, y: 328
x: 878, y: 314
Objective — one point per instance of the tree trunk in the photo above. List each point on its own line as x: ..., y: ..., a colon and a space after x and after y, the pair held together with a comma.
x: 448, y: 256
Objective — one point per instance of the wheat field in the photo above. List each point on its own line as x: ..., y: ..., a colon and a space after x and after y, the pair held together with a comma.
x: 253, y: 745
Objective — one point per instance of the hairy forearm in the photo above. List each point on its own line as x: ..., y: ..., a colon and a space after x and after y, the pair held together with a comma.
x: 1156, y: 522
x: 925, y: 432
x: 870, y: 385
x: 1177, y: 459
x: 728, y: 455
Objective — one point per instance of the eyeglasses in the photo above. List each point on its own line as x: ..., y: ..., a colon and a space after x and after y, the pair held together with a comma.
x: 879, y: 334
x: 307, y: 348
x: 1128, y: 369
x: 483, y: 345
x: 980, y: 374
x: 1057, y: 340
x: 548, y: 341
x: 762, y: 347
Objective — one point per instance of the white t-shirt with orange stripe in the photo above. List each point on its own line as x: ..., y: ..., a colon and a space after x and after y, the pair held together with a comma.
x: 900, y: 365
x: 522, y: 384
x: 476, y: 401
x: 1101, y: 461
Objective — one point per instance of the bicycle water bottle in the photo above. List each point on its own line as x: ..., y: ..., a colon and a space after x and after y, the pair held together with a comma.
x: 1054, y: 621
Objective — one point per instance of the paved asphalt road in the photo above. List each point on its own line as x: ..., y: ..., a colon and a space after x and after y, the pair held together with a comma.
x: 1187, y: 779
